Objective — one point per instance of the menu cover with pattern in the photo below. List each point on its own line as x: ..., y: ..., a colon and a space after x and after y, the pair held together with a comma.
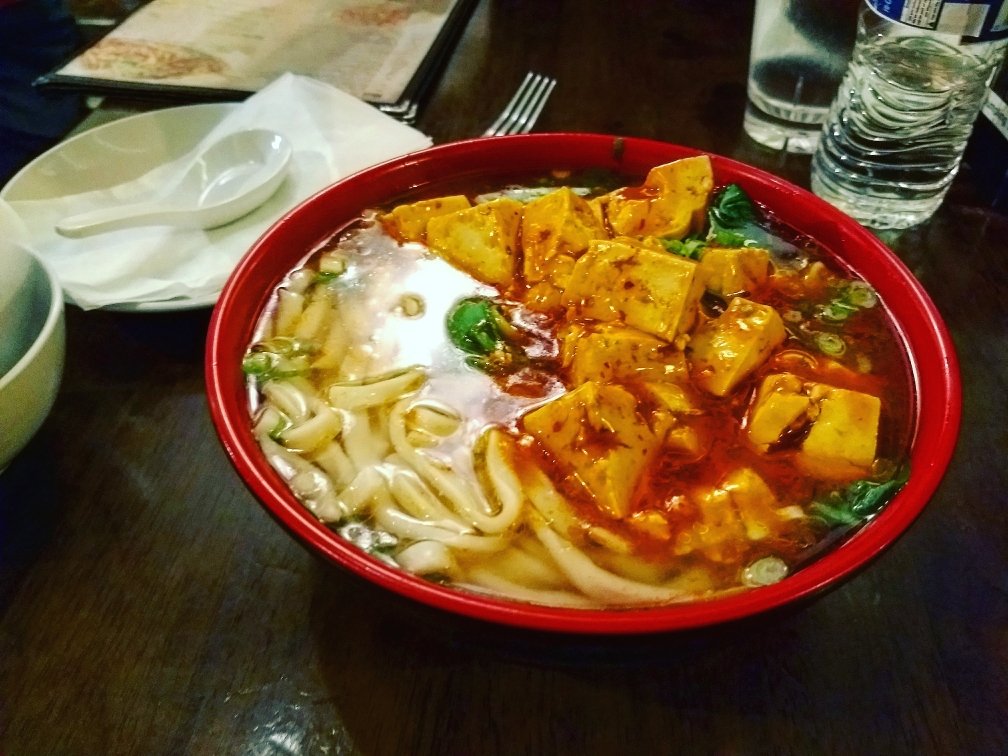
x: 385, y: 52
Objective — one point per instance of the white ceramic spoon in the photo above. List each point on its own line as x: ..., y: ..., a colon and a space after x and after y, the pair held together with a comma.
x: 231, y: 178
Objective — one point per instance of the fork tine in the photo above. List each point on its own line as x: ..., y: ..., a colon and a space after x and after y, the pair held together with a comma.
x: 525, y: 106
x: 537, y: 105
x: 505, y: 114
x: 519, y: 114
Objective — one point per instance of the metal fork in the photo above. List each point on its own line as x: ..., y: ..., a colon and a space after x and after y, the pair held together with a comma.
x: 522, y: 112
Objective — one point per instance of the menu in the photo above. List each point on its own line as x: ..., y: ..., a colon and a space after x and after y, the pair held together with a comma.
x: 382, y: 51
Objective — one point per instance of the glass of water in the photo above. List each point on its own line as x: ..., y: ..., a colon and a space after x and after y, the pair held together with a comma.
x: 799, y: 53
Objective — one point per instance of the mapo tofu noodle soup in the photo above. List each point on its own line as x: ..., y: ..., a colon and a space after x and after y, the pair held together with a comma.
x: 580, y: 396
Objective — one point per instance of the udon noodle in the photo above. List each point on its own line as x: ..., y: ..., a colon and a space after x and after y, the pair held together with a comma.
x: 557, y: 465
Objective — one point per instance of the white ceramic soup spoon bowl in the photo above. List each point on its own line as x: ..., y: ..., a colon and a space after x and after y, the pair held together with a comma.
x: 231, y: 178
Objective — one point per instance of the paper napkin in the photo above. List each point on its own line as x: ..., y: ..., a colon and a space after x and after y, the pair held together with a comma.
x: 333, y: 134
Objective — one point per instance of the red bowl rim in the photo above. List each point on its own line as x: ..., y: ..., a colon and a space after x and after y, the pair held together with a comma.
x: 933, y: 365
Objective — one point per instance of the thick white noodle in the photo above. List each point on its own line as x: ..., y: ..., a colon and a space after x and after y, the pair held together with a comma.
x: 364, y: 448
x: 289, y: 307
x: 362, y: 489
x: 334, y: 348
x: 548, y: 501
x: 334, y: 460
x: 315, y: 319
x: 427, y: 558
x: 414, y: 497
x: 595, y: 582
x: 434, y: 418
x: 288, y: 397
x: 313, y: 433
x: 521, y: 566
x: 313, y: 487
x: 300, y: 280
x: 498, y: 477
x: 466, y: 500
x: 371, y: 392
x: 401, y: 524
x: 485, y: 579
x: 268, y: 418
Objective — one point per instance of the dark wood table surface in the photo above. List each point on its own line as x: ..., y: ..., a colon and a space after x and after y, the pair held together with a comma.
x: 149, y: 605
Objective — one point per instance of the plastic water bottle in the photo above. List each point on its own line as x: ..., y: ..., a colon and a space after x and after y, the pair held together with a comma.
x: 897, y: 129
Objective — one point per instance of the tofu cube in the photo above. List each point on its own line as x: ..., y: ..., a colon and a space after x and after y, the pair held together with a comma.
x: 596, y: 433
x: 725, y: 350
x: 409, y: 222
x: 756, y: 504
x: 611, y: 353
x: 740, y: 510
x: 780, y: 404
x: 622, y: 280
x: 674, y: 400
x: 556, y: 229
x: 842, y: 424
x: 481, y: 240
x: 841, y: 443
x: 729, y: 272
x: 670, y: 397
x: 672, y: 201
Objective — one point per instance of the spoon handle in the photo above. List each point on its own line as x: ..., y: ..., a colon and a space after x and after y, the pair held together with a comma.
x: 116, y: 218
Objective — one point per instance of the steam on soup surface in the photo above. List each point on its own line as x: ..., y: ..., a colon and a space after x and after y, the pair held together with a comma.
x: 581, y: 397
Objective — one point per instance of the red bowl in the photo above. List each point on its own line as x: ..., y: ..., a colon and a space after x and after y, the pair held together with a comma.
x: 932, y: 360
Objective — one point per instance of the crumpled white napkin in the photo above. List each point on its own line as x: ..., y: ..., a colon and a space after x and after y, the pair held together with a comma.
x: 333, y: 134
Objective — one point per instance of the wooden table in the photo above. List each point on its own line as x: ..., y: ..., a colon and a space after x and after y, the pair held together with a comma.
x: 148, y: 604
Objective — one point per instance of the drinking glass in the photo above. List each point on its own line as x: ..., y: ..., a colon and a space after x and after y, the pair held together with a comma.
x: 799, y: 53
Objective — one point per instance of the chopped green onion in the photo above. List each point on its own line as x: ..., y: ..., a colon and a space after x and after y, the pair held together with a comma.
x: 279, y: 357
x: 765, y: 571
x: 830, y: 344
x: 257, y: 363
x: 861, y: 295
x: 690, y: 247
x: 837, y: 311
x: 282, y: 424
x: 853, y: 296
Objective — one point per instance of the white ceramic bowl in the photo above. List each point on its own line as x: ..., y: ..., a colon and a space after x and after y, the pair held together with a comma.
x: 32, y: 346
x: 114, y: 153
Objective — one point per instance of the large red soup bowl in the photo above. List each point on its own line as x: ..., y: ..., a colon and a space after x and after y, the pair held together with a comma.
x: 932, y: 364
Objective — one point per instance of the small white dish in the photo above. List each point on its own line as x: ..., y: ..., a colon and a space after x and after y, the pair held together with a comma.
x: 115, y: 153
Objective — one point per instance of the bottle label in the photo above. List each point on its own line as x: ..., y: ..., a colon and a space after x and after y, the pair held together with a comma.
x: 996, y: 111
x: 980, y: 20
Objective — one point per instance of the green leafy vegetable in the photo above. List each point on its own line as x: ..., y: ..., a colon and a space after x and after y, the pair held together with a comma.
x: 858, y: 501
x: 735, y: 221
x: 477, y: 326
x: 732, y: 209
